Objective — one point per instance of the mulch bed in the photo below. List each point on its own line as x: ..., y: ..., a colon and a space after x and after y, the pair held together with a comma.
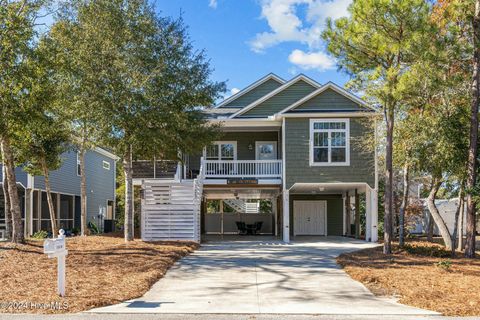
x: 101, y: 271
x: 421, y: 275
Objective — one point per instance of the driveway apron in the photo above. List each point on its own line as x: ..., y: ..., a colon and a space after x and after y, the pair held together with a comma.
x: 264, y: 277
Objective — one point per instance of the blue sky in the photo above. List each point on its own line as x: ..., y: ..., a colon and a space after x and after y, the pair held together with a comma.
x: 246, y: 39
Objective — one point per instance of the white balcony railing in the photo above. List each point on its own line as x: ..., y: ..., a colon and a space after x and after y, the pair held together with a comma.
x: 242, y: 168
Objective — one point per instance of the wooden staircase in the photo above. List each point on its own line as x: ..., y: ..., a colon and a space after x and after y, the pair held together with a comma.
x: 171, y: 209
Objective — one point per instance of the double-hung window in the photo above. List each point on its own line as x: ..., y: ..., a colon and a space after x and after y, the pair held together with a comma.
x: 329, y: 142
x: 221, y: 150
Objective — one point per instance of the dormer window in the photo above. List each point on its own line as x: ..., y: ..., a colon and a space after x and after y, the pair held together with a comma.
x: 329, y: 142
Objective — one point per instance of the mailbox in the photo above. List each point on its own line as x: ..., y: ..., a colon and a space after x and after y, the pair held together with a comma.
x: 56, y: 248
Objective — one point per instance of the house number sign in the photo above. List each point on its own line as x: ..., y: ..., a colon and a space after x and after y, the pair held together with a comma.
x: 56, y: 248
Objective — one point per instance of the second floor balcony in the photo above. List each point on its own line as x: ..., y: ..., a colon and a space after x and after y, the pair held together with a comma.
x: 255, y: 169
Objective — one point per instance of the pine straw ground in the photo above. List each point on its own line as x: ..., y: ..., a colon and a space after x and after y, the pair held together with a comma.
x: 415, y: 276
x: 101, y: 271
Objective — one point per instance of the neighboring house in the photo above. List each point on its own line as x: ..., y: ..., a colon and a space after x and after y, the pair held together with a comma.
x: 289, y: 154
x: 100, y: 166
x: 447, y: 209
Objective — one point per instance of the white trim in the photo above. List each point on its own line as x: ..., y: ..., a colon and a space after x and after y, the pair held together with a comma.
x: 220, y: 142
x: 78, y: 164
x: 327, y: 115
x: 275, y: 148
x: 336, y: 88
x: 252, y: 86
x: 106, y: 165
x: 347, y: 142
x: 106, y: 153
x: 274, y: 92
x: 259, y: 122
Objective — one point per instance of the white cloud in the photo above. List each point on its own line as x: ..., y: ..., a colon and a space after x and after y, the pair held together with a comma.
x: 234, y: 91
x: 213, y: 4
x: 288, y: 25
x: 311, y: 60
x: 285, y: 25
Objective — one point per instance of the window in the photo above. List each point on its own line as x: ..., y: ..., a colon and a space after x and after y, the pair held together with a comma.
x: 79, y: 168
x: 329, y: 142
x: 221, y: 150
x: 106, y: 165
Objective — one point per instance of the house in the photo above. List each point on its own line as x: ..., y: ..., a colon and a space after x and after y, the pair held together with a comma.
x: 290, y: 162
x: 100, y: 167
x: 447, y: 209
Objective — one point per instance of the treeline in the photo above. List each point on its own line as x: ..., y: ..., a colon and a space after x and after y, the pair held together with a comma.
x: 419, y: 61
x: 110, y: 73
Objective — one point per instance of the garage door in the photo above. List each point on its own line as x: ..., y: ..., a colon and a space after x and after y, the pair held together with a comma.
x: 310, y: 217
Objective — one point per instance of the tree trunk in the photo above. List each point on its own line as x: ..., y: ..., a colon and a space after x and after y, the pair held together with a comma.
x: 83, y: 193
x: 387, y: 223
x: 16, y: 214
x: 430, y: 227
x: 51, y: 208
x: 455, y: 226
x: 460, y: 224
x: 127, y: 169
x: 442, y: 227
x: 472, y: 150
x: 8, y: 214
x: 401, y: 218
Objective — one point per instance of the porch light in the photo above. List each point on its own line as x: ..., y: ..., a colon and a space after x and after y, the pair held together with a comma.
x: 250, y: 146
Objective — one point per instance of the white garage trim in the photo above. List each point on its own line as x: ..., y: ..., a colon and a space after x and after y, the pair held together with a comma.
x: 296, y: 217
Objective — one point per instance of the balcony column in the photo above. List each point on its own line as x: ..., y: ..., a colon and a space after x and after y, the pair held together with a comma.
x: 286, y: 216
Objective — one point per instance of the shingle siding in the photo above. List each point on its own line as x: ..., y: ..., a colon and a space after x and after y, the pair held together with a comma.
x: 281, y: 100
x: 254, y: 94
x: 297, y: 165
x: 328, y: 100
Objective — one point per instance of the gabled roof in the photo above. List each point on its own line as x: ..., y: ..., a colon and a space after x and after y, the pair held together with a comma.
x: 270, y: 76
x: 334, y: 87
x: 300, y: 77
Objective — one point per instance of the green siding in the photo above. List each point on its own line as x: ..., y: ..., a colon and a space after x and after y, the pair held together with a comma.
x: 254, y: 94
x: 328, y: 100
x: 281, y: 100
x: 334, y: 212
x: 244, y: 139
x: 297, y: 166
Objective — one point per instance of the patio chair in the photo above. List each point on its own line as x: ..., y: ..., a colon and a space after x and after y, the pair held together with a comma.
x: 258, y: 226
x: 242, y: 228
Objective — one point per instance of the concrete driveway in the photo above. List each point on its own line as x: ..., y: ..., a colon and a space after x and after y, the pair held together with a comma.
x: 246, y: 277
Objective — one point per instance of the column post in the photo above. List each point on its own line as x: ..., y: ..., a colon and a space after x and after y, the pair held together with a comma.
x: 374, y: 218
x: 286, y: 216
x: 368, y: 214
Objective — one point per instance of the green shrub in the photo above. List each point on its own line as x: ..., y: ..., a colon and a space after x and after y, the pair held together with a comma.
x: 93, y: 227
x: 444, y: 264
x: 427, y: 250
x: 42, y: 234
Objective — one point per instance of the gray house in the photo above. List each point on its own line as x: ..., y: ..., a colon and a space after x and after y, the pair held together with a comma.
x: 65, y: 184
x: 289, y: 163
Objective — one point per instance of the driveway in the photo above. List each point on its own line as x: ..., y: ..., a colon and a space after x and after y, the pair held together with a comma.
x: 251, y: 277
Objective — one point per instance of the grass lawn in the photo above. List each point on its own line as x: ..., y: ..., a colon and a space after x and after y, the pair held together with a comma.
x: 101, y: 271
x: 421, y: 275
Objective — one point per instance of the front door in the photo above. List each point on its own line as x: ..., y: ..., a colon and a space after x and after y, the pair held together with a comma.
x: 310, y: 217
x: 266, y: 150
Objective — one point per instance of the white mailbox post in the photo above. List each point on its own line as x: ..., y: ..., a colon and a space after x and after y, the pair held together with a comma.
x: 56, y: 248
